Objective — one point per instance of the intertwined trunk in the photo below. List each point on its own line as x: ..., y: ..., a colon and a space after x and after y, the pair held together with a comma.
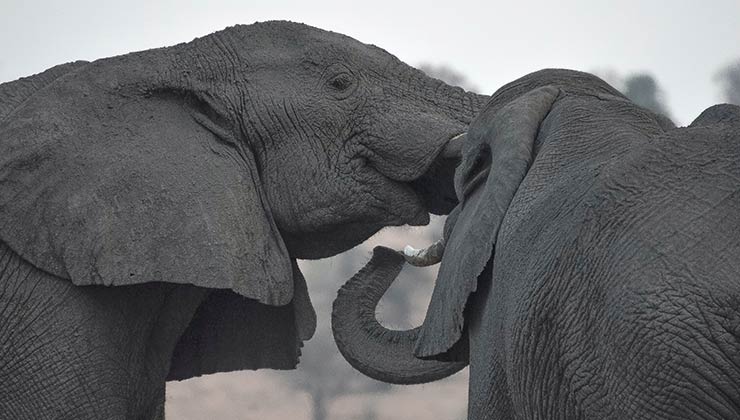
x: 381, y: 353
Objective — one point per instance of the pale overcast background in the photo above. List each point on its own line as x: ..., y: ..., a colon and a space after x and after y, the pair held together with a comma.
x: 682, y: 44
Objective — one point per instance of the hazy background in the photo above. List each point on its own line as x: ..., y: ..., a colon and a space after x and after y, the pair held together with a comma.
x: 682, y: 43
x: 677, y: 57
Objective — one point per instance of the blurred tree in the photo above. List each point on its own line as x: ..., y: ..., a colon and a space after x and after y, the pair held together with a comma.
x: 642, y: 89
x: 323, y: 373
x: 448, y: 75
x: 325, y: 376
x: 729, y: 77
x: 369, y: 413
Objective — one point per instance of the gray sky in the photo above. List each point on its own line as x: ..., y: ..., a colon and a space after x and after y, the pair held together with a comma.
x: 682, y: 43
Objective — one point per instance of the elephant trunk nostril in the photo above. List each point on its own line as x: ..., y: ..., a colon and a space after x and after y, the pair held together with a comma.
x: 426, y: 256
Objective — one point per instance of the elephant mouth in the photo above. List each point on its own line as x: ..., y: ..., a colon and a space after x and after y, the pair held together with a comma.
x: 435, y: 187
x: 430, y: 192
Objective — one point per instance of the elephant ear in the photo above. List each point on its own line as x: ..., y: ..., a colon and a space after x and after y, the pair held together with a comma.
x: 113, y: 188
x: 497, y: 153
x: 230, y: 333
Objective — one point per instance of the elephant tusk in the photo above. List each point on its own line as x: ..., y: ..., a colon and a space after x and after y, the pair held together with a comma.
x: 453, y: 148
x: 426, y: 256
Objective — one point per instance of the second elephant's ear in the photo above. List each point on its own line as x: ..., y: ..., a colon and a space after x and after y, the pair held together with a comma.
x: 104, y: 189
x: 497, y: 153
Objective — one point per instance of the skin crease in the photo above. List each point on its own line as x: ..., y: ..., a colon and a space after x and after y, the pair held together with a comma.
x: 612, y: 292
x: 191, y: 178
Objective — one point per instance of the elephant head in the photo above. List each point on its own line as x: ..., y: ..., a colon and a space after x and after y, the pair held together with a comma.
x: 218, y: 162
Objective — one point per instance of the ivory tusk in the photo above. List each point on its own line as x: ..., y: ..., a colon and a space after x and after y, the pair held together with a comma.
x: 426, y: 256
x: 453, y: 149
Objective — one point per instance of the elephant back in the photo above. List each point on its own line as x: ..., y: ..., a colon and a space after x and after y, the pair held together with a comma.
x: 718, y: 114
x: 14, y: 93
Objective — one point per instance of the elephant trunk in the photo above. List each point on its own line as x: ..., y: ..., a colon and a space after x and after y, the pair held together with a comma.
x: 378, y: 352
x: 465, y: 105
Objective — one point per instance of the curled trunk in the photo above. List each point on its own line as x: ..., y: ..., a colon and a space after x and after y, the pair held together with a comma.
x: 378, y: 352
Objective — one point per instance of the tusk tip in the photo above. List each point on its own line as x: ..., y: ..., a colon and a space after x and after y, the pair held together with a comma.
x: 459, y: 136
x: 410, y: 251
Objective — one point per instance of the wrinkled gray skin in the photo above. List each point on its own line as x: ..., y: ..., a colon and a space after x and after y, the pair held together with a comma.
x: 613, y: 289
x: 191, y: 178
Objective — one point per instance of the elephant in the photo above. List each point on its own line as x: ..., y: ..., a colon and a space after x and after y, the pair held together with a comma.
x: 590, y: 270
x: 153, y: 206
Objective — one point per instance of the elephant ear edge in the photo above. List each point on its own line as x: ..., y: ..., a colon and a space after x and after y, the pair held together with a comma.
x: 230, y: 333
x: 112, y: 189
x: 496, y: 156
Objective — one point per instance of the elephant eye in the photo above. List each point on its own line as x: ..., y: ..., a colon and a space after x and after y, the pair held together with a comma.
x: 341, y: 81
x: 342, y: 84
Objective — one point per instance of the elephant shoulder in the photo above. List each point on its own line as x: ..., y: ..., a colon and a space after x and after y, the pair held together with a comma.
x: 718, y: 114
x: 569, y: 81
x: 13, y: 94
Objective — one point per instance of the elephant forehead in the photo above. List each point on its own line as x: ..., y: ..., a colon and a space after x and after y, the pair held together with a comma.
x: 281, y: 41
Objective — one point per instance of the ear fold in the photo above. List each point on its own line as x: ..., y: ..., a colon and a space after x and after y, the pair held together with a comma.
x: 104, y: 189
x: 229, y: 332
x: 496, y: 156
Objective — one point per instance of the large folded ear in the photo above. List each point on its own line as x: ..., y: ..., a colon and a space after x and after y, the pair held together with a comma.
x: 496, y: 156
x: 107, y: 189
x: 229, y: 332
